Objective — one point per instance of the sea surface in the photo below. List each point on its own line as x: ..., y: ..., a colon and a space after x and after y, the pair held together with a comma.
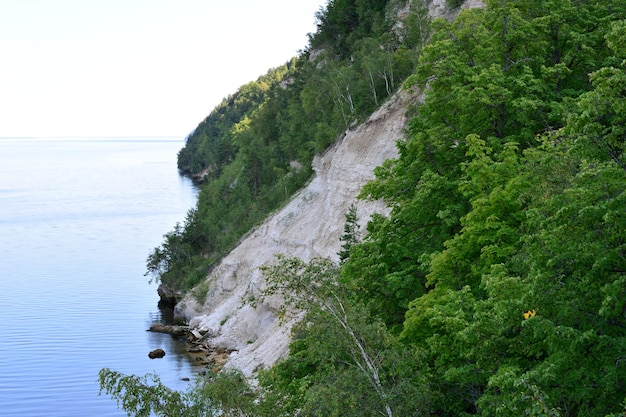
x: 78, y: 218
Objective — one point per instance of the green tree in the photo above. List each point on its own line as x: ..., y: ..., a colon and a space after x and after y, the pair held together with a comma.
x: 256, y: 148
x: 223, y: 394
x: 416, y: 28
x: 343, y: 362
x: 350, y: 235
x: 600, y: 124
x: 496, y: 78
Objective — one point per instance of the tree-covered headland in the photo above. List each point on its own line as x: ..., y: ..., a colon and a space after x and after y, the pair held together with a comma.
x: 497, y: 284
x: 255, y: 149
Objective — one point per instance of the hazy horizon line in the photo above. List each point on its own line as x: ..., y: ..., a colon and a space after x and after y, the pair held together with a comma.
x: 92, y: 137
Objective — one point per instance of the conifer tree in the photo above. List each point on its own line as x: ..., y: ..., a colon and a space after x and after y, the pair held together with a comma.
x: 350, y: 235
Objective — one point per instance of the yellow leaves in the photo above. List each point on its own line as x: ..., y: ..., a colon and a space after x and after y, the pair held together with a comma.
x: 529, y: 314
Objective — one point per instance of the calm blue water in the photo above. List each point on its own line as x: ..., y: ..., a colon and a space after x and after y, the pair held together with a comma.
x: 77, y: 220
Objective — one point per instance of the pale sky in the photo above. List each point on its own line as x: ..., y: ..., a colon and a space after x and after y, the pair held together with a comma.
x: 136, y: 67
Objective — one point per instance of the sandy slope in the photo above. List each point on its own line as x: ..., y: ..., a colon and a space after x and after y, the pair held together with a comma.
x: 309, y: 226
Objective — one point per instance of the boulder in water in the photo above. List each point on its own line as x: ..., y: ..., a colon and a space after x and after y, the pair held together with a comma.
x: 156, y: 354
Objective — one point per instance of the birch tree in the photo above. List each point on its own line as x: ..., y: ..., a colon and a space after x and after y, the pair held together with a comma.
x: 359, y: 346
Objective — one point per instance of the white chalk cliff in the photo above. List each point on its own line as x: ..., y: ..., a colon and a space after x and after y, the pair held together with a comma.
x: 309, y: 226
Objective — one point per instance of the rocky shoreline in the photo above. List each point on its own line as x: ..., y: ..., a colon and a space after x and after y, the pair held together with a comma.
x: 199, y: 351
x: 168, y: 298
x: 197, y: 348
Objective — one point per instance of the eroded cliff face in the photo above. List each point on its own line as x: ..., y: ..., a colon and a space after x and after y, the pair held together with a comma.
x: 309, y: 226
x: 439, y: 8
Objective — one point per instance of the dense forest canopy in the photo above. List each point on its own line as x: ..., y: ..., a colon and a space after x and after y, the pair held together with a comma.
x: 497, y: 284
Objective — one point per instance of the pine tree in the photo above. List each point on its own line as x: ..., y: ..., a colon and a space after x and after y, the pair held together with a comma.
x: 350, y: 233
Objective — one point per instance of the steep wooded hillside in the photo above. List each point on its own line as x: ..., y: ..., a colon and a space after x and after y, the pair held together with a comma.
x: 256, y: 149
x: 490, y: 279
x: 310, y: 226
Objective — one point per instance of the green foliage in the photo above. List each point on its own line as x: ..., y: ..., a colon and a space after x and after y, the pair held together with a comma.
x: 343, y: 22
x: 454, y: 3
x: 224, y: 394
x: 255, y: 149
x: 342, y: 361
x: 416, y: 28
x: 350, y: 235
x: 140, y: 396
x: 211, y: 146
x: 507, y: 197
x: 497, y: 284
